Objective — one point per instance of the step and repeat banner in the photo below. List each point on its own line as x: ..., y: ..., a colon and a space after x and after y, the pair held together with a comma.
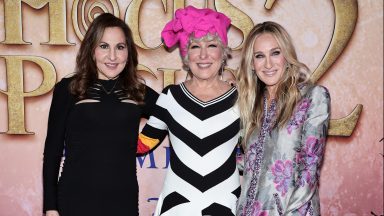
x: 340, y: 40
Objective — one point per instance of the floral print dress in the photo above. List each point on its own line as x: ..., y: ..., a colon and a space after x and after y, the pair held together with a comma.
x: 281, y: 166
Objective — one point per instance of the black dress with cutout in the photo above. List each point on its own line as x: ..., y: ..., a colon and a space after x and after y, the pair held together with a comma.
x: 98, y: 137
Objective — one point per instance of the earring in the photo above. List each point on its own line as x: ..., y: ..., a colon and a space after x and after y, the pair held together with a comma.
x: 222, y: 69
x: 222, y: 72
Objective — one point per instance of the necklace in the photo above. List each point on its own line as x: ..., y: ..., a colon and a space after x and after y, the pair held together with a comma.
x: 110, y: 91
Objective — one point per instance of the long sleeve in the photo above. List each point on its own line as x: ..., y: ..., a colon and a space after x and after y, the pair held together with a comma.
x: 54, y: 143
x: 155, y: 130
x: 149, y: 102
x: 309, y: 157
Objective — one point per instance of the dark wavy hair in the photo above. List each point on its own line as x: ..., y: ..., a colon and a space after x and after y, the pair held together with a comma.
x: 86, y: 70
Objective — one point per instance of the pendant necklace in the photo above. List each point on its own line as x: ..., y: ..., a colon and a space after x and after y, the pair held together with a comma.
x: 110, y: 91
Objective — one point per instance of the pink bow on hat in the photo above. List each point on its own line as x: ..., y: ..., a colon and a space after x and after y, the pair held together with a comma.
x: 200, y: 22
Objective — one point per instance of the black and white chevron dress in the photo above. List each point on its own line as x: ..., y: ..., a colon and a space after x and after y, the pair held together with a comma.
x: 202, y: 178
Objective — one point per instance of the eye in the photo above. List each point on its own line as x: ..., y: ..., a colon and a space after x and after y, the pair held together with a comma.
x: 259, y: 56
x: 103, y: 46
x: 194, y: 46
x: 121, y: 47
x: 212, y: 45
x: 276, y: 52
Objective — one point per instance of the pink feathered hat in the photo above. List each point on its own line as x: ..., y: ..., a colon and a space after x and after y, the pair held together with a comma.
x: 200, y: 22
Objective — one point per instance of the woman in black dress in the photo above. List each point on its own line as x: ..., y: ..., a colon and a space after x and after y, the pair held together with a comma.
x: 94, y: 122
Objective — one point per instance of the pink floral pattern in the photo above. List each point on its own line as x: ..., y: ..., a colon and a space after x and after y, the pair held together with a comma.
x: 257, y: 210
x: 251, y: 159
x: 308, y: 160
x: 298, y: 117
x: 287, y: 161
x: 302, y: 211
x: 282, y: 172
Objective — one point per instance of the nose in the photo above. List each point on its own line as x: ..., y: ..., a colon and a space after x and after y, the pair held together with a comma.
x: 112, y: 54
x: 268, y: 63
x: 203, y: 52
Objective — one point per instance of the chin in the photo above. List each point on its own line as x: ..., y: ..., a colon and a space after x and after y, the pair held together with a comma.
x: 112, y: 73
x: 269, y: 84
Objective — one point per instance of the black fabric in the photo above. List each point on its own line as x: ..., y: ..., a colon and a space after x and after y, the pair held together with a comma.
x: 216, y: 210
x: 207, y: 144
x: 203, y: 183
x: 99, y: 138
x: 200, y: 109
x: 200, y: 146
x: 203, y: 138
x: 237, y: 192
x: 172, y: 200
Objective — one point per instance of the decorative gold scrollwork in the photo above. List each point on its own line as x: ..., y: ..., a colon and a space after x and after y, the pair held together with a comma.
x: 89, y: 11
x: 239, y: 19
x: 345, y: 21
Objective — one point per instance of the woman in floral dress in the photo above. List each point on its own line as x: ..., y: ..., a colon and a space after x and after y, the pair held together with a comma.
x: 285, y: 120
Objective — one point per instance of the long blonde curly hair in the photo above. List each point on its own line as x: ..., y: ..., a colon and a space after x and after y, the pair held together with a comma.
x: 251, y: 88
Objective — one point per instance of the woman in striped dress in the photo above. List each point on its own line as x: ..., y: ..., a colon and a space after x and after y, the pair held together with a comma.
x: 200, y: 118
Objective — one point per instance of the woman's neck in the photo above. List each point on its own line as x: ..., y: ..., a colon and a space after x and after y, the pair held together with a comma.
x: 204, y: 84
x: 207, y: 90
x: 271, y: 95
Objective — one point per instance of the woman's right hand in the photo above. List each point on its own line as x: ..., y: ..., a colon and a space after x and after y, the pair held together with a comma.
x: 52, y: 213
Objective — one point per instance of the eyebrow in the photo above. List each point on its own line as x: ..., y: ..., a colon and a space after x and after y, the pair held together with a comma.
x: 273, y: 49
x: 124, y: 43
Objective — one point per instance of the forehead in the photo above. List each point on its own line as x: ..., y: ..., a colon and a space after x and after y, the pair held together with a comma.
x: 265, y: 42
x: 113, y: 34
x: 206, y: 38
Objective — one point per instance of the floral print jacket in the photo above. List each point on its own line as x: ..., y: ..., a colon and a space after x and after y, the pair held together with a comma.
x: 281, y: 167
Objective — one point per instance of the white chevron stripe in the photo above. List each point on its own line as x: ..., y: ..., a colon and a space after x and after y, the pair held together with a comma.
x: 210, y: 161
x: 180, y: 185
x: 157, y: 123
x: 199, y: 200
x: 200, y: 128
x: 215, y: 194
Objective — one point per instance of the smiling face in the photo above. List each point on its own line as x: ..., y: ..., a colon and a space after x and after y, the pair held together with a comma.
x: 111, y: 53
x: 268, y: 61
x: 205, y: 58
